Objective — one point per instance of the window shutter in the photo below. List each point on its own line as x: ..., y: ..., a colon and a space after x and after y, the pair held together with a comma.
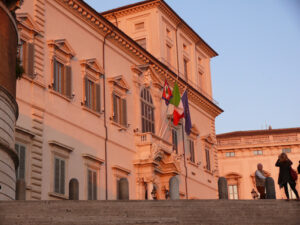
x: 54, y: 85
x: 62, y: 177
x: 86, y: 83
x: 56, y: 175
x: 94, y: 185
x: 68, y: 81
x: 115, y: 105
x: 124, y: 112
x: 89, y: 185
x: 98, y: 100
x: 22, y: 163
x: 30, y: 60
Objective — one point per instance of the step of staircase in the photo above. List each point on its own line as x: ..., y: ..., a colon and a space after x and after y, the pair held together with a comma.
x: 179, y: 212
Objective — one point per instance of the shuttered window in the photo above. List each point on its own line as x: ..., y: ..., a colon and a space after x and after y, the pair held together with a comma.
x: 192, y: 150
x: 147, y: 110
x: 174, y: 140
x: 62, y: 78
x: 92, y: 185
x: 59, y: 175
x: 21, y: 151
x: 119, y: 110
x: 92, y: 95
x: 26, y: 57
x: 207, y: 156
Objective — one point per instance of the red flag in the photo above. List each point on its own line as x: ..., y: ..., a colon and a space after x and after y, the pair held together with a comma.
x: 167, y: 93
x: 178, y: 113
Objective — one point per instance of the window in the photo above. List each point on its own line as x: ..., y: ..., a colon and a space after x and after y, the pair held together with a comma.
x: 59, y: 175
x: 257, y: 152
x: 230, y: 154
x: 192, y: 151
x: 139, y: 26
x: 233, y: 192
x: 21, y: 151
x: 185, y: 67
x: 286, y: 150
x: 61, y: 78
x: 120, y: 110
x: 174, y: 140
x: 92, y: 95
x: 147, y: 110
x: 142, y: 42
x: 26, y: 57
x: 207, y: 156
x: 92, y: 184
x: 169, y: 53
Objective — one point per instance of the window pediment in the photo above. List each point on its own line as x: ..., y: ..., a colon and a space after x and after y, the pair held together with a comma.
x: 120, y: 82
x: 62, y: 46
x: 25, y: 21
x: 147, y: 76
x: 208, y: 139
x: 92, y: 65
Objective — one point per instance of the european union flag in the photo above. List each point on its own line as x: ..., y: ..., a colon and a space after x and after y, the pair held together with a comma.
x: 187, y: 116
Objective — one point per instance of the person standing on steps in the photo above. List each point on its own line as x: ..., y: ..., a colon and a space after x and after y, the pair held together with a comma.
x: 260, y: 179
x: 285, y: 177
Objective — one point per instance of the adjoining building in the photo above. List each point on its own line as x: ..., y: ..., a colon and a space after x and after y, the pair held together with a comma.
x: 91, y: 108
x: 239, y: 153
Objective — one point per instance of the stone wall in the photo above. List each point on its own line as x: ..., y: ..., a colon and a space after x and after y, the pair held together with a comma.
x: 8, y: 105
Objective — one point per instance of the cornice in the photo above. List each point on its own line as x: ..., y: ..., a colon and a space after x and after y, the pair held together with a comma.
x: 102, y: 25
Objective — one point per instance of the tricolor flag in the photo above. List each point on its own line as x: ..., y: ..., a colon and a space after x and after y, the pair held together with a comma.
x: 178, y: 112
x: 187, y: 116
x: 167, y: 93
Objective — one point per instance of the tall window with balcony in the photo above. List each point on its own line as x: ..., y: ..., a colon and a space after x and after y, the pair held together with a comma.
x: 147, y: 111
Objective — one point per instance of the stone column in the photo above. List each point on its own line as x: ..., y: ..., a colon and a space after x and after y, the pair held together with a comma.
x: 149, y: 190
x: 270, y: 188
x: 9, y: 108
x: 222, y: 188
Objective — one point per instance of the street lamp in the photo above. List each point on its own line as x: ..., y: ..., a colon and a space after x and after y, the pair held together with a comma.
x: 254, y: 194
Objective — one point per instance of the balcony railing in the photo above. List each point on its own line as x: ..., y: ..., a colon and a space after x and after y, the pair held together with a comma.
x: 142, y: 139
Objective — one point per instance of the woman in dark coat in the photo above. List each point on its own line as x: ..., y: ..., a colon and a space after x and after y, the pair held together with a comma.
x: 284, y: 165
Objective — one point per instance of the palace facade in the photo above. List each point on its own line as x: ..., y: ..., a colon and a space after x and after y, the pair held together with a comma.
x: 90, y: 102
x: 239, y: 153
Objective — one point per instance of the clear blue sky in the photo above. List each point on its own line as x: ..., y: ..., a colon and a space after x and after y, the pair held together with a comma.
x: 256, y: 77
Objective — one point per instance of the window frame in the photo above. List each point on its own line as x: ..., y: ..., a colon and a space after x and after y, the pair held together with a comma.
x: 121, y: 108
x: 26, y: 157
x: 235, y: 194
x: 147, y: 110
x: 207, y: 158
x: 60, y: 186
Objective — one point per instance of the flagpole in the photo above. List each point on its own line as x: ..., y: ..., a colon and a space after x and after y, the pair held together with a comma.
x: 186, y: 172
x: 163, y: 117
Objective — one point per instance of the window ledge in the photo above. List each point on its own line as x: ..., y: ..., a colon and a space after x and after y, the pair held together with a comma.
x: 57, y: 195
x: 193, y: 164
x: 208, y: 171
x: 60, y: 95
x: 84, y: 107
x: 121, y: 127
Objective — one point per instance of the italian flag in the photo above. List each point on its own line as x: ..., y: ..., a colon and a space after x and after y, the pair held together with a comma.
x: 178, y: 112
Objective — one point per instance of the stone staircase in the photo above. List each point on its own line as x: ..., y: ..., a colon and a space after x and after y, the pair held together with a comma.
x: 175, y: 212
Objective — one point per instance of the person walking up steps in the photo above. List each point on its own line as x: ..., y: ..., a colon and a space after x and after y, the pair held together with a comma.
x: 285, y: 177
x: 260, y: 179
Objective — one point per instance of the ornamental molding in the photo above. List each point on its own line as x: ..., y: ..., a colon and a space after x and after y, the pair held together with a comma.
x: 93, y: 65
x: 26, y: 21
x: 120, y: 82
x: 63, y: 46
x: 100, y: 24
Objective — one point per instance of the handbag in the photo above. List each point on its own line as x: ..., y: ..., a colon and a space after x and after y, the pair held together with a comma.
x: 294, y: 174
